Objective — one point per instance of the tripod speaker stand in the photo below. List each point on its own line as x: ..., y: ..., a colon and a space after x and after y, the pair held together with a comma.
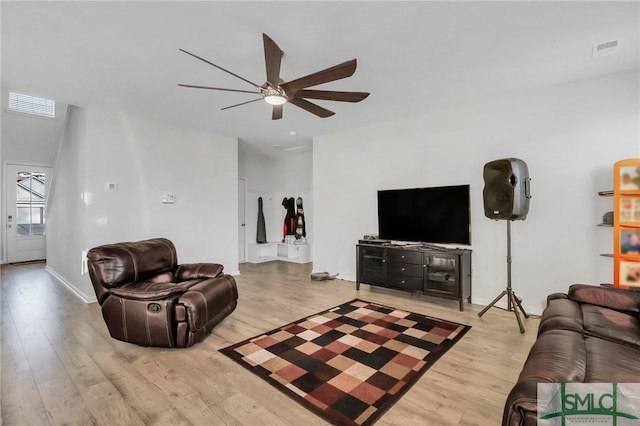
x: 513, y: 302
x: 506, y: 195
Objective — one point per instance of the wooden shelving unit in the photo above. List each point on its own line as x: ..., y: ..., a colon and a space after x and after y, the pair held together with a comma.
x: 626, y: 223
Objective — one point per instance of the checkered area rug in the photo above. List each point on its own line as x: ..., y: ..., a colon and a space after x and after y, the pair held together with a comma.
x: 351, y: 363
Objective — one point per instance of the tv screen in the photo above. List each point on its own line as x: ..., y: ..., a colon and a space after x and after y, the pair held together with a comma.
x: 426, y: 215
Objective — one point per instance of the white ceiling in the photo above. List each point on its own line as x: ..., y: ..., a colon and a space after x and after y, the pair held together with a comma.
x: 412, y: 56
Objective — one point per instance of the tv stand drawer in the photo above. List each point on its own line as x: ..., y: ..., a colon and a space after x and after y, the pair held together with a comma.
x: 405, y: 256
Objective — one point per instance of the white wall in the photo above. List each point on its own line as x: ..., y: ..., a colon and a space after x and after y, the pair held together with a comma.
x: 274, y: 178
x: 569, y: 135
x: 145, y: 159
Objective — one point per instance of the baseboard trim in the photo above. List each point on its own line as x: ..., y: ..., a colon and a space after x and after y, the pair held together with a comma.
x: 77, y: 292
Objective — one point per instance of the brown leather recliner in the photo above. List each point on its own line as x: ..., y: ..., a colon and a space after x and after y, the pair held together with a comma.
x: 150, y: 300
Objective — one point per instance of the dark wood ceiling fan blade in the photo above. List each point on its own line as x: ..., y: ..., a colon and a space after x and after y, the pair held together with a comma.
x: 272, y: 60
x: 277, y: 112
x: 193, y: 86
x: 220, y: 68
x: 240, y: 104
x: 311, y: 107
x: 330, y: 95
x: 337, y: 72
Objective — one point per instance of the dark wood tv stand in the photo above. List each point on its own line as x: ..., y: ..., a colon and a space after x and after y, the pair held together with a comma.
x: 432, y: 270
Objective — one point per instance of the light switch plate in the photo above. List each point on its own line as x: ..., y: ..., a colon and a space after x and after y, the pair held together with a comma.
x: 168, y: 199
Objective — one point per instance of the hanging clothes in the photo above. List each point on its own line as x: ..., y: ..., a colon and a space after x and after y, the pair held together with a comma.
x: 261, y: 235
x: 301, y: 227
x: 290, y: 218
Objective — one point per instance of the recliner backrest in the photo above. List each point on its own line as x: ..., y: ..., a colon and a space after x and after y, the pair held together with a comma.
x: 112, y: 265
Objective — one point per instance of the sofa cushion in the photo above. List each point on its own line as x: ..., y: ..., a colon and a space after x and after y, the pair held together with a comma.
x: 149, y: 290
x: 611, y: 362
x: 192, y: 271
x: 561, y: 314
x: 117, y: 264
x: 608, y: 297
x: 611, y: 325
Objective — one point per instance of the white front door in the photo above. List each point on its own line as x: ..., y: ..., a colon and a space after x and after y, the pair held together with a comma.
x: 27, y: 188
x: 242, y: 184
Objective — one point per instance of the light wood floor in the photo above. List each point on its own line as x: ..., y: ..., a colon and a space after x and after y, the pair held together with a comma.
x: 60, y: 367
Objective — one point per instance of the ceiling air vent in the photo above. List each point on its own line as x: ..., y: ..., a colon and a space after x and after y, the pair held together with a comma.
x: 605, y: 48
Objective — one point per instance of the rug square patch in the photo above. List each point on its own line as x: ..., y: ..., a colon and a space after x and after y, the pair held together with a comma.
x: 395, y: 345
x: 382, y: 381
x: 319, y: 319
x: 328, y: 337
x: 327, y: 394
x: 307, y: 383
x: 248, y: 349
x: 337, y: 347
x: 307, y: 324
x: 415, y: 333
x: 440, y: 331
x: 395, y: 370
x: 266, y: 342
x: 290, y: 373
x: 309, y: 335
x: 368, y: 393
x: 345, y: 382
x: 323, y: 354
x: 372, y: 328
x: 350, y: 406
x: 292, y: 355
x: 275, y: 364
x: 308, y: 348
x: 367, y: 346
x: 406, y: 360
x: 341, y: 362
x: 350, y: 340
x: 281, y: 335
x: 398, y: 313
x: 293, y: 329
x: 346, y: 328
x: 414, y: 352
x: 321, y: 328
x: 351, y: 363
x: 360, y: 371
x: 433, y: 338
x: 406, y: 323
x: 259, y: 357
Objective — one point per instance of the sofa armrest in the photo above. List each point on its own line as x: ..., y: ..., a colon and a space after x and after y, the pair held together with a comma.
x: 192, y: 271
x: 609, y: 297
x: 148, y: 290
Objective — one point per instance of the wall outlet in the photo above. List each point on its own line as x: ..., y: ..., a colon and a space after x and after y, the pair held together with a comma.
x: 84, y: 267
x: 102, y: 221
x: 168, y: 199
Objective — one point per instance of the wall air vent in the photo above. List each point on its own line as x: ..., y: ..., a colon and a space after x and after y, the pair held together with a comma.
x: 605, y: 48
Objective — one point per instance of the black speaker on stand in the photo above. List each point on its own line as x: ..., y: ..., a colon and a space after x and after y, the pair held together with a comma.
x: 506, y: 196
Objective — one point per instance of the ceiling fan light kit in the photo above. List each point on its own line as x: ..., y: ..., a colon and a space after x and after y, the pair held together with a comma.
x: 277, y: 92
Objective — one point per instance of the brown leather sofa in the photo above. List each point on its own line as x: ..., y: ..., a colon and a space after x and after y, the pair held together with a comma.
x: 590, y: 335
x: 147, y: 298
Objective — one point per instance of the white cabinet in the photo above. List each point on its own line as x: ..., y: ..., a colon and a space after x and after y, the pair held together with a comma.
x: 266, y: 252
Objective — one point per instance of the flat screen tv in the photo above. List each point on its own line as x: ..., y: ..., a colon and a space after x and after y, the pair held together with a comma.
x: 427, y: 215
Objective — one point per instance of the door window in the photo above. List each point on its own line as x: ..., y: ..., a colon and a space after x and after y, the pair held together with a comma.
x: 30, y: 203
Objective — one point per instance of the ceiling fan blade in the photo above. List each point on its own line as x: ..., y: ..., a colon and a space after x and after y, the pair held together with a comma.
x: 218, y: 88
x: 337, y: 72
x: 220, y: 68
x: 329, y: 95
x: 272, y: 59
x: 277, y: 112
x: 243, y: 103
x: 311, y: 107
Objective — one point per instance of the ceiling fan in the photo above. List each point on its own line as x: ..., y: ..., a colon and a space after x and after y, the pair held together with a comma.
x: 276, y: 92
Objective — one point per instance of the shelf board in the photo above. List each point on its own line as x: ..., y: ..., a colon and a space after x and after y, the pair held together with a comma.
x: 605, y: 225
x: 605, y: 193
x: 606, y: 254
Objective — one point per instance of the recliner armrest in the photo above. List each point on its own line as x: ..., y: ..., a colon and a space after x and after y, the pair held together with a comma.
x: 146, y: 290
x: 192, y: 271
x: 615, y: 298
